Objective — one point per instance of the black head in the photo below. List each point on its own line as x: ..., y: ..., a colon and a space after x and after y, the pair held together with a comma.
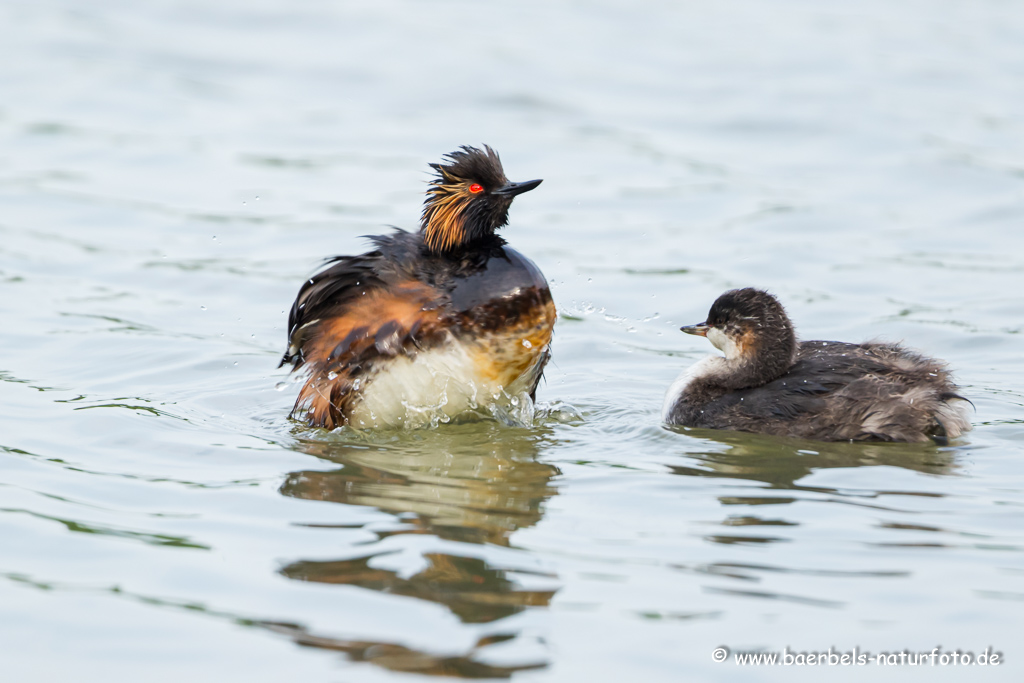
x: 468, y: 199
x: 751, y: 326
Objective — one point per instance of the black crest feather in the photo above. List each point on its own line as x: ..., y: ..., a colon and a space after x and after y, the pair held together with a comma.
x: 455, y: 216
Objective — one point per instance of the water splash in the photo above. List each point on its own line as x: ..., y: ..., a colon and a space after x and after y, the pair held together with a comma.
x: 517, y: 410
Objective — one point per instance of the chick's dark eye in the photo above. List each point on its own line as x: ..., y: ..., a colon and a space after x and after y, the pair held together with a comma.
x: 476, y: 188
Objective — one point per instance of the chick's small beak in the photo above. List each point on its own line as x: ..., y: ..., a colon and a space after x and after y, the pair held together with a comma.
x: 700, y: 330
x: 512, y: 189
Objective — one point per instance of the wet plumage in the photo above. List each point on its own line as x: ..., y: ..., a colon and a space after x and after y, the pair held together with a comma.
x: 770, y: 383
x: 427, y: 324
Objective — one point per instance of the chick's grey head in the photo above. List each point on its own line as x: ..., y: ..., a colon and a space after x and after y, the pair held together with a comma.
x: 750, y: 326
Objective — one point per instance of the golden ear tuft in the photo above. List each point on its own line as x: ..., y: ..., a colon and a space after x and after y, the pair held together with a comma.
x: 444, y: 226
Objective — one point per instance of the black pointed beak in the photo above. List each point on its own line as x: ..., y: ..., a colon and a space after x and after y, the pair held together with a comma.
x: 700, y: 330
x: 512, y: 189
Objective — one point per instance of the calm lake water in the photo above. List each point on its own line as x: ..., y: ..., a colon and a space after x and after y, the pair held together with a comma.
x: 171, y: 171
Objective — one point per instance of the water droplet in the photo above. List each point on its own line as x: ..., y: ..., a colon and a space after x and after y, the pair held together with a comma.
x: 590, y: 279
x: 332, y: 375
x: 527, y: 344
x: 202, y: 308
x: 281, y: 386
x: 235, y: 363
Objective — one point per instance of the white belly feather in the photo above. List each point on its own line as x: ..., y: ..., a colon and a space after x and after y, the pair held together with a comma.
x: 434, y: 386
x: 708, y: 365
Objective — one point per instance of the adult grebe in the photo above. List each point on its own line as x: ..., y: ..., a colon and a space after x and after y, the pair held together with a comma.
x: 434, y: 323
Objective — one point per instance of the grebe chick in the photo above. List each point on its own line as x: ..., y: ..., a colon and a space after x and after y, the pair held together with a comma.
x: 770, y: 383
x: 429, y: 324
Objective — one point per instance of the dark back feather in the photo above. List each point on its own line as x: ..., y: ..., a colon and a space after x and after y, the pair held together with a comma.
x: 837, y: 392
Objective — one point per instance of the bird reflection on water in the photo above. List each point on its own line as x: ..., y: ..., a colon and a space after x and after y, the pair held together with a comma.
x: 473, y: 483
x: 782, y: 463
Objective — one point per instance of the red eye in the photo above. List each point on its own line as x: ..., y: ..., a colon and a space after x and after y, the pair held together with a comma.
x: 476, y: 188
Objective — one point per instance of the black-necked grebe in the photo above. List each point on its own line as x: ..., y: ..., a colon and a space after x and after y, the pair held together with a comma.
x: 437, y: 322
x: 830, y: 391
